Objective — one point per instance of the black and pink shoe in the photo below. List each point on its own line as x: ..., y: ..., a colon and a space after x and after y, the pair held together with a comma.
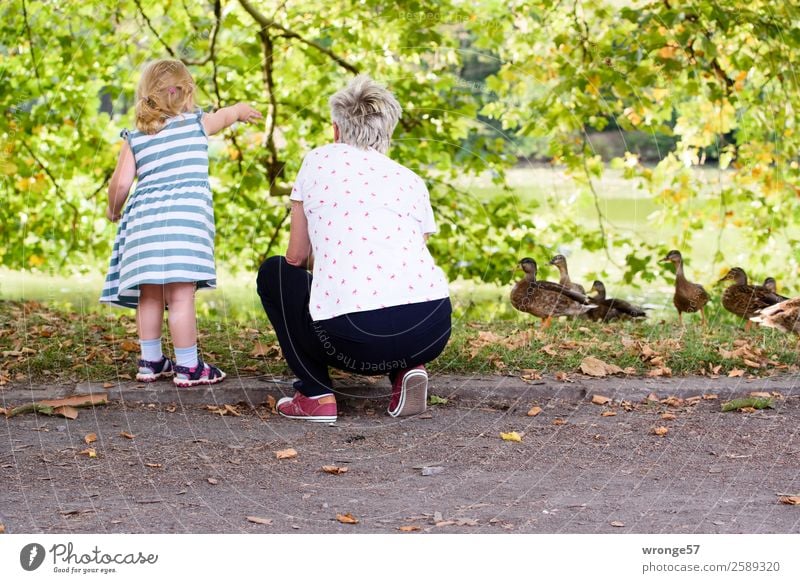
x: 200, y: 374
x: 152, y: 371
x: 409, y: 392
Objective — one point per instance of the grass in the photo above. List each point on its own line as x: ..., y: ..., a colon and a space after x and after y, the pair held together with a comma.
x: 51, y: 344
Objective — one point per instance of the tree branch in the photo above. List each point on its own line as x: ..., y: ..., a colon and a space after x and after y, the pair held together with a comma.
x: 33, y: 49
x: 601, y: 218
x: 153, y: 30
x: 265, y: 23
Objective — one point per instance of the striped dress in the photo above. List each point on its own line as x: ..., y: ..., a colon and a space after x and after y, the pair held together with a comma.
x: 166, y: 233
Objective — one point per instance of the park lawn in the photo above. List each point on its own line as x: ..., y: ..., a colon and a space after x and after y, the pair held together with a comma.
x: 51, y: 343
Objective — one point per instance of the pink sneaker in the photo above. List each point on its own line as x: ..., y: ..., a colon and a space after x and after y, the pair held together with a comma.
x: 409, y: 392
x: 309, y: 408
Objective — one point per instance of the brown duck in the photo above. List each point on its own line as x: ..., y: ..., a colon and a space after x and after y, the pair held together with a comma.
x: 746, y: 300
x: 561, y: 262
x: 611, y: 309
x: 783, y: 316
x: 689, y: 297
x: 546, y: 299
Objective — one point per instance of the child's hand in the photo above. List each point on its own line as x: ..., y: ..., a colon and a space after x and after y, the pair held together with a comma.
x: 246, y: 113
x: 111, y: 215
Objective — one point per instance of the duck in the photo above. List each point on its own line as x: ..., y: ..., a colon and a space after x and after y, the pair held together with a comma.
x: 771, y: 285
x: 561, y: 263
x: 783, y: 316
x: 689, y: 297
x: 611, y: 309
x: 546, y: 299
x: 744, y: 300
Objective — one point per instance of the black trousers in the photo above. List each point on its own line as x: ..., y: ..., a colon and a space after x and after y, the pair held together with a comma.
x: 374, y: 342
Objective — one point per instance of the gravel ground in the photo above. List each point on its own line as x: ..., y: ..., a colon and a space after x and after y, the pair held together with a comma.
x: 190, y: 470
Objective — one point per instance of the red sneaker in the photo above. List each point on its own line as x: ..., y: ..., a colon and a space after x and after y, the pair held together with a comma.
x: 409, y: 392
x: 309, y: 408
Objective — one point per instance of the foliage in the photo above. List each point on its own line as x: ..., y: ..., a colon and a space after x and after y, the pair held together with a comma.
x: 478, y: 83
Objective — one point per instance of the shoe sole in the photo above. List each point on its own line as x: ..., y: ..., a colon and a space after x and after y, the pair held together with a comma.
x: 413, y: 395
x: 151, y: 378
x: 187, y: 384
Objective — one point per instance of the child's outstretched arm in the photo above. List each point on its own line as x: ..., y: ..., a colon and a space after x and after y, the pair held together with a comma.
x: 225, y: 117
x: 121, y: 181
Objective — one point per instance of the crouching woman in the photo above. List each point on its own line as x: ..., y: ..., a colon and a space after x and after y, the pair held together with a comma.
x: 376, y: 302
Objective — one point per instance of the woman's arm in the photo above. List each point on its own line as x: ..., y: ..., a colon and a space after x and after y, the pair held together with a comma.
x: 225, y: 117
x: 121, y: 182
x: 299, y: 251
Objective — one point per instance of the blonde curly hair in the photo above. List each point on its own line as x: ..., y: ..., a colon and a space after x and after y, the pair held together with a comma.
x: 166, y: 89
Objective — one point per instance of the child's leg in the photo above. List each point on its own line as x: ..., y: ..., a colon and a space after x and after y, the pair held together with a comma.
x: 182, y: 322
x: 149, y: 320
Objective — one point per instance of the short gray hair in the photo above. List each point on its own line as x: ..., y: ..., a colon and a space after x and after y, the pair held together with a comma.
x: 366, y: 114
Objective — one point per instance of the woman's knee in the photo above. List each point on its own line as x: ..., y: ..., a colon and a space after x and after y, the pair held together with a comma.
x: 269, y: 272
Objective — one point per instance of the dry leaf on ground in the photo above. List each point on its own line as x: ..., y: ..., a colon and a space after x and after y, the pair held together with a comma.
x: 91, y: 452
x: 668, y: 417
x: 559, y: 422
x: 736, y: 372
x: 483, y: 339
x: 259, y: 520
x: 608, y: 414
x: 286, y: 454
x: 511, y: 436
x: 534, y: 411
x: 129, y: 346
x: 336, y: 470
x: 2, y: 528
x: 262, y: 351
x: 710, y: 397
x: 66, y: 412
x: 272, y: 404
x: 127, y: 435
x: 600, y: 399
x: 212, y: 481
x: 90, y: 438
x: 409, y: 528
x: 594, y: 367
x: 652, y: 398
x: 763, y: 394
x: 347, y: 518
x: 791, y: 500
x: 617, y: 523
x: 152, y: 465
x: 661, y: 371
x: 561, y: 376
x: 660, y: 431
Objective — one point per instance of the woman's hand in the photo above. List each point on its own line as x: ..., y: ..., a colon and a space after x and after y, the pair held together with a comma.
x: 111, y: 215
x: 246, y: 113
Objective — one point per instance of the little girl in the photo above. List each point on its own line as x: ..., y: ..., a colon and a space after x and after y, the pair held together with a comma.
x: 164, y: 248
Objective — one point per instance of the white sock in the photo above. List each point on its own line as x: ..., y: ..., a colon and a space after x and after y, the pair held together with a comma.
x: 151, y: 350
x: 186, y: 356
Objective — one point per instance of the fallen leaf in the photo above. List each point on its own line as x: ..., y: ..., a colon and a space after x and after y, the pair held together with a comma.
x: 108, y: 385
x: 232, y: 411
x: 150, y: 465
x: 792, y: 500
x: 511, y: 436
x: 90, y: 438
x: 530, y: 374
x: 594, y: 367
x: 760, y: 394
x: 262, y: 351
x: 661, y: 371
x: 673, y: 402
x: 750, y: 402
x: 660, y: 431
x: 748, y: 409
x: 600, y: 400
x: 171, y: 409
x: 617, y: 523
x: 736, y: 372
x: 652, y: 398
x: 66, y: 412
x: 559, y: 421
x: 534, y: 411
x: 271, y: 404
x: 127, y: 435
x: 91, y: 452
x: 409, y: 528
x: 561, y: 376
x: 2, y: 528
x: 129, y: 346
x: 259, y: 520
x: 347, y: 518
x: 710, y: 397
x: 77, y: 401
x: 286, y: 454
x: 550, y: 349
x: 336, y: 470
x: 483, y: 339
x: 212, y: 481
x: 436, y: 400
x: 752, y: 363
x: 668, y: 417
x: 608, y: 414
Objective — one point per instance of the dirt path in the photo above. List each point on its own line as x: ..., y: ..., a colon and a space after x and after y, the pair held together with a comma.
x: 190, y: 470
